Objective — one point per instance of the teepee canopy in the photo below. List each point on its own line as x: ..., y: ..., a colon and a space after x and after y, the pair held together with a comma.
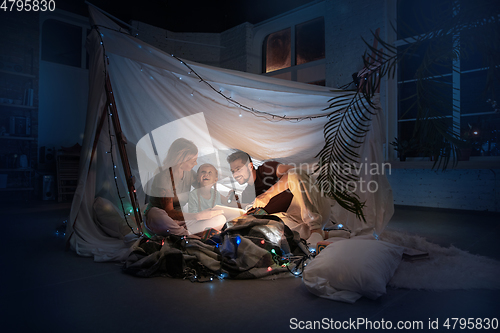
x: 160, y: 98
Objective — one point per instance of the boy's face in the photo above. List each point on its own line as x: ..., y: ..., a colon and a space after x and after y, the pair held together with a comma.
x: 207, y: 175
x: 241, y: 171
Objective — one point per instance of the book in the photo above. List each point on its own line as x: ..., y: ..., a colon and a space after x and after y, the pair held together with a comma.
x: 230, y: 213
x: 197, y: 226
x: 410, y: 254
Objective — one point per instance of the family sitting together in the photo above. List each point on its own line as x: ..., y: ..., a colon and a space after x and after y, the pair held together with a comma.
x: 268, y: 189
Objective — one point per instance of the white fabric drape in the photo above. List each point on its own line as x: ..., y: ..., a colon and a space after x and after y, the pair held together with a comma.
x: 152, y: 89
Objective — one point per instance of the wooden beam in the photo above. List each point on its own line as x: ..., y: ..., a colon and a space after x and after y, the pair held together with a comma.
x: 123, y: 153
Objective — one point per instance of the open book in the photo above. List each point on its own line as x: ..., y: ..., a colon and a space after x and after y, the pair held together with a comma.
x: 230, y: 212
x: 194, y: 226
x: 410, y: 254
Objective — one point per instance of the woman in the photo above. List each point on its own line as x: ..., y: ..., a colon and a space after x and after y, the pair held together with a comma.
x: 170, y: 190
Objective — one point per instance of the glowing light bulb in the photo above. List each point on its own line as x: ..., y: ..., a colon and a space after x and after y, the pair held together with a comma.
x: 238, y: 240
x: 269, y: 269
x: 262, y: 242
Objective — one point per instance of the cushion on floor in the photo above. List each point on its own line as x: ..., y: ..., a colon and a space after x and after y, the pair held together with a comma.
x: 109, y: 218
x: 348, y: 269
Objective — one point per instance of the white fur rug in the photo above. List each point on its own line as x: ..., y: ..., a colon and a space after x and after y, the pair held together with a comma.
x: 446, y: 269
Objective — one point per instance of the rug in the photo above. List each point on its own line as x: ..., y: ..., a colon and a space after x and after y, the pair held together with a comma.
x: 445, y: 269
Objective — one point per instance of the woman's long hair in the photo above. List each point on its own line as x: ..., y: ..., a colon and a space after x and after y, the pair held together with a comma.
x: 180, y: 151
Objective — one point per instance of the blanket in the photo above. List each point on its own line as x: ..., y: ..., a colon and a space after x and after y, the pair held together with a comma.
x: 248, y: 247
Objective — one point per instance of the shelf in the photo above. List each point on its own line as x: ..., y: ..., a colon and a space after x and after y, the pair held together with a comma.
x: 472, y: 164
x: 67, y: 174
x: 18, y: 74
x: 19, y: 106
x: 16, y: 170
x: 16, y: 189
x: 8, y: 137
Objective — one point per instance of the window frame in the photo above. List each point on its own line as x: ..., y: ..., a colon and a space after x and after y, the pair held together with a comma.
x: 393, y: 119
x: 72, y: 19
x: 294, y: 68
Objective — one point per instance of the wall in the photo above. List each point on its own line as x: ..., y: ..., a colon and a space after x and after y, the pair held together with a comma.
x: 237, y: 43
x: 63, y: 105
x: 471, y: 189
x: 204, y: 48
x: 346, y: 23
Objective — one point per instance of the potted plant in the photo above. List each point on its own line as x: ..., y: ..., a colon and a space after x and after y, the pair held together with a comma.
x: 403, y: 147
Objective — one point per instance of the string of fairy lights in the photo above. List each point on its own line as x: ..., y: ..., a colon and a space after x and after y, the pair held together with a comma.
x: 257, y: 113
x: 115, y: 176
x: 110, y: 152
x: 272, y: 117
x: 283, y: 262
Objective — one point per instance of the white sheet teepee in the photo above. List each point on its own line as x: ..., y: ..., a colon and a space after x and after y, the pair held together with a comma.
x: 160, y: 97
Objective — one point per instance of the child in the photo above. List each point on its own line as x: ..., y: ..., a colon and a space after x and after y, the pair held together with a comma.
x: 206, y: 195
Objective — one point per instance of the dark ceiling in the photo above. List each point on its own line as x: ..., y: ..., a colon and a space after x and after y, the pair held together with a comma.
x: 188, y: 16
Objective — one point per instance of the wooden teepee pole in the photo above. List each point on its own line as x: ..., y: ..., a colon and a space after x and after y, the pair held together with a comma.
x: 98, y: 133
x: 123, y: 153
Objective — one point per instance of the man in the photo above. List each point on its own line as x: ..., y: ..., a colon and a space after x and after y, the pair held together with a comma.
x: 268, y: 188
x: 267, y: 185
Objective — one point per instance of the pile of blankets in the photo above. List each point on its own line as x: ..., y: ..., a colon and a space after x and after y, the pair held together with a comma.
x: 248, y: 247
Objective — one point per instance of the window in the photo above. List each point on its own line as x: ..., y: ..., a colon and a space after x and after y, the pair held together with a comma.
x: 62, y: 43
x: 460, y: 83
x: 310, y: 41
x: 301, y: 45
x: 277, y: 50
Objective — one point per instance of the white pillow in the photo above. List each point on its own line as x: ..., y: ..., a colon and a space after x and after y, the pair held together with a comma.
x: 110, y: 219
x: 348, y: 269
